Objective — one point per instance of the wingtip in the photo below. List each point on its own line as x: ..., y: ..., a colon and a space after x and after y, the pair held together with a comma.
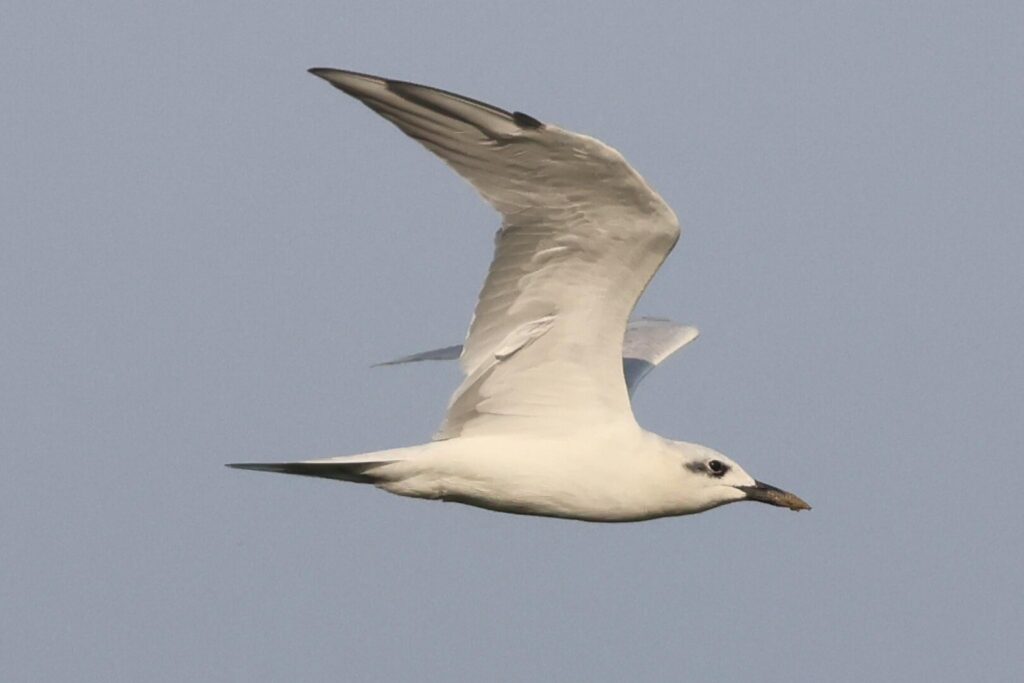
x: 336, y: 77
x: 320, y: 71
x: 389, y: 363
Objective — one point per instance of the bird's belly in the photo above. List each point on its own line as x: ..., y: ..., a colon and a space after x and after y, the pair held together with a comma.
x: 531, y: 481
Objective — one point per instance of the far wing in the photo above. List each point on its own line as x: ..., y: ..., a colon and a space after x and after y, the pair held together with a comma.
x: 582, y: 236
x: 445, y: 353
x: 648, y: 342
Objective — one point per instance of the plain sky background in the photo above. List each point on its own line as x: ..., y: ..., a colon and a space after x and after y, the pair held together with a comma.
x: 203, y: 249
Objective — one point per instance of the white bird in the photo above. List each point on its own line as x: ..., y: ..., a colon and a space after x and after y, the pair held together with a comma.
x: 542, y: 423
x: 647, y: 343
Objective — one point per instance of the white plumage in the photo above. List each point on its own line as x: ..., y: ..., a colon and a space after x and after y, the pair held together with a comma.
x: 542, y: 423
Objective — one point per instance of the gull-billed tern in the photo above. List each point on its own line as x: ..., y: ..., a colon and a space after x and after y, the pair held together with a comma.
x: 542, y: 424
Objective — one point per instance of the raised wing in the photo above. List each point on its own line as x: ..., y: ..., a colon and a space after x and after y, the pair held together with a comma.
x: 648, y: 342
x: 582, y: 236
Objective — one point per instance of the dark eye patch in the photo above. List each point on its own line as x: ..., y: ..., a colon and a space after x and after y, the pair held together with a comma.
x: 713, y: 468
x: 717, y: 468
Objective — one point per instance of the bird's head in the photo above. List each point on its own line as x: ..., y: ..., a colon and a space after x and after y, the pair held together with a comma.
x: 713, y: 479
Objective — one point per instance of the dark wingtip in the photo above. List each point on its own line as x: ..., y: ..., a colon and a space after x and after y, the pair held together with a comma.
x: 525, y: 120
x: 320, y: 71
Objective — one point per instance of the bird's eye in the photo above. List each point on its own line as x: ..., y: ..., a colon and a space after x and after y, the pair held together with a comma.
x: 717, y: 468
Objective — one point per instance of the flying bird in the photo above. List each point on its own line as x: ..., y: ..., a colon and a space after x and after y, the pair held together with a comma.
x: 542, y: 423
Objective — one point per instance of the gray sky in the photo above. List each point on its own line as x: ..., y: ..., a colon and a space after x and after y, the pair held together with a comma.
x: 203, y: 249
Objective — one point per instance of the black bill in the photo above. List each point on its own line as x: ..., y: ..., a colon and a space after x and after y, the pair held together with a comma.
x: 766, y: 493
